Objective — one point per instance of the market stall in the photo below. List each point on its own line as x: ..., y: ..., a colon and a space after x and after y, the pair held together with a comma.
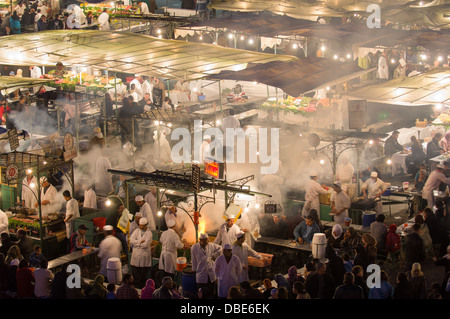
x: 47, y: 231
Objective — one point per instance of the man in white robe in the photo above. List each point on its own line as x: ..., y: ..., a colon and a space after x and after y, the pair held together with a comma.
x: 103, y: 179
x: 227, y: 232
x: 72, y: 212
x: 170, y: 244
x: 141, y: 258
x: 312, y: 191
x: 103, y: 20
x: 146, y: 211
x: 243, y: 251
x: 203, y: 255
x: 227, y: 268
x: 90, y: 198
x: 110, y: 247
x: 49, y: 200
x: 29, y: 190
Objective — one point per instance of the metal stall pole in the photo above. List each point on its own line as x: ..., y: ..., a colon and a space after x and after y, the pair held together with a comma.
x: 132, y: 141
x: 220, y: 96
x: 77, y: 120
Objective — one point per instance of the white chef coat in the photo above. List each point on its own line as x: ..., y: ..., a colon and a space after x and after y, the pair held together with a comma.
x: 152, y: 201
x: 103, y: 179
x: 141, y: 255
x: 20, y: 10
x: 433, y: 181
x: 146, y: 212
x: 344, y: 173
x: 227, y: 274
x: 35, y: 72
x: 144, y: 8
x: 138, y: 89
x: 225, y: 236
x: 90, y: 199
x: 4, y: 222
x: 312, y: 191
x: 147, y: 87
x: 373, y: 188
x: 71, y: 210
x: 340, y: 200
x: 203, y: 261
x: 103, y: 20
x: 170, y: 243
x: 29, y: 194
x: 243, y: 252
x: 54, y: 205
x: 250, y: 222
x: 110, y: 247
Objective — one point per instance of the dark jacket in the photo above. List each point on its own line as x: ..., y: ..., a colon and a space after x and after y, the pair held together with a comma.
x: 433, y: 149
x: 349, y: 292
x: 414, y: 248
x: 26, y: 247
x: 320, y: 286
x: 391, y: 146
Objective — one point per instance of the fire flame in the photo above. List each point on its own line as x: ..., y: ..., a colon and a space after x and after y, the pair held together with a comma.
x: 201, y: 227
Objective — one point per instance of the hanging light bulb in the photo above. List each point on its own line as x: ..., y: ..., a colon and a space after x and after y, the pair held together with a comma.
x: 257, y: 206
x: 108, y: 203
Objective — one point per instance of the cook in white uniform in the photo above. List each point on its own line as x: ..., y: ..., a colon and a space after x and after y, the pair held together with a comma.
x: 72, y: 212
x: 141, y: 259
x: 375, y: 188
x: 103, y: 179
x: 228, y: 269
x: 110, y: 247
x: 203, y: 255
x: 227, y: 232
x: 144, y: 8
x: 29, y: 190
x: 243, y: 251
x: 146, y: 211
x: 49, y: 200
x: 170, y: 243
x: 151, y: 199
x: 340, y: 203
x: 249, y: 224
x: 103, y: 20
x: 161, y: 147
x: 433, y: 181
x: 312, y: 191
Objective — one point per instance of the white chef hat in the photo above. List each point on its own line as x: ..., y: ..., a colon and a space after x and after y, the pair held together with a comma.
x: 338, y: 184
x: 227, y: 246
x: 374, y: 174
x: 139, y: 198
x: 107, y: 228
x: 206, y: 137
x: 204, y: 236
x: 143, y: 221
x: 338, y: 230
x: 313, y: 173
x: 240, y: 234
x: 171, y: 222
x: 138, y: 214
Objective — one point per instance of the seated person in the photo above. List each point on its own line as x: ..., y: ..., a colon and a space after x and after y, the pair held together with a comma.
x: 351, y: 238
x: 273, y: 226
x: 36, y: 257
x: 305, y: 231
x: 420, y: 178
x: 335, y: 236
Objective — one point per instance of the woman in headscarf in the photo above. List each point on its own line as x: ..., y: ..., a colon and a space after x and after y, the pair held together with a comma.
x: 336, y: 236
x: 97, y: 289
x: 148, y: 290
x: 293, y: 277
x: 281, y: 281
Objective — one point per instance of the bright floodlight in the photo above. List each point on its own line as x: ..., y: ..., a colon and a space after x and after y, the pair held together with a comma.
x: 108, y: 203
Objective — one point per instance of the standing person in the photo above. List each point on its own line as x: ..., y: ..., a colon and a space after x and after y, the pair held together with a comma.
x: 227, y: 232
x: 348, y: 290
x: 312, y: 191
x: 320, y: 284
x: 249, y: 224
x: 103, y: 20
x: 414, y: 247
x: 146, y: 211
x: 103, y: 179
x: 49, y: 201
x: 418, y: 282
x: 243, y: 251
x: 393, y: 243
x: 110, y: 247
x: 203, y: 255
x: 170, y: 243
x: 373, y: 188
x: 15, y: 23
x: 43, y: 279
x: 383, y: 69
x: 29, y: 190
x: 144, y: 8
x: 445, y: 142
x: 403, y: 288
x: 433, y: 181
x: 202, y: 9
x: 72, y: 212
x: 25, y: 244
x: 161, y: 147
x: 340, y: 203
x: 379, y: 231
x: 141, y: 257
x: 90, y: 197
x: 228, y: 269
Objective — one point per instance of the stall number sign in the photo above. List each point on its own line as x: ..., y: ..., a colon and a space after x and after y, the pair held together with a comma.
x: 270, y: 208
x: 12, y: 172
x: 196, y: 177
x: 69, y: 150
x: 357, y: 111
x: 13, y: 139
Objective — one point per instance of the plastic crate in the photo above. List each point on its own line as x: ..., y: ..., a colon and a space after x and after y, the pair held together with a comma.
x: 263, y: 262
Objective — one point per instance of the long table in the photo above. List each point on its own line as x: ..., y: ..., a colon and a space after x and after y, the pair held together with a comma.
x: 54, y: 263
x: 284, y: 243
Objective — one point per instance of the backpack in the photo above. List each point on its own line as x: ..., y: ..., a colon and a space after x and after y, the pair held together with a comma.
x: 393, y: 243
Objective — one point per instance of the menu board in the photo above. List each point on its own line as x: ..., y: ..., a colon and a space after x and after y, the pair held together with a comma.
x: 357, y: 114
